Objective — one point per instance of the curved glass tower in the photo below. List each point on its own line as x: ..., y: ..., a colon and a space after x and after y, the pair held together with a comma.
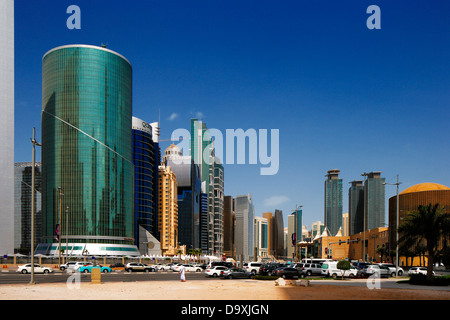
x: 87, y: 146
x: 144, y: 177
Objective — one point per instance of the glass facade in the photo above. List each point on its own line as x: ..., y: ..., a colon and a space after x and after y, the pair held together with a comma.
x: 333, y: 202
x: 23, y: 203
x: 145, y: 214
x: 87, y: 144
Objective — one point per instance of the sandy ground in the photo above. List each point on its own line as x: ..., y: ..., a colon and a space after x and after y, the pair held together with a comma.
x: 209, y: 290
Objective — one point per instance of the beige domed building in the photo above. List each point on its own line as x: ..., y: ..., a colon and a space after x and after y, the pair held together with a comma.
x: 411, y: 198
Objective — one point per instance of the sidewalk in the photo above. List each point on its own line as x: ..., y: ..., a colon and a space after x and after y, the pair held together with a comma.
x: 213, y: 290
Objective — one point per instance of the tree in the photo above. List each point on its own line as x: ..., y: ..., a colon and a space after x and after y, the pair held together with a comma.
x: 428, y: 224
x: 343, y: 266
x: 381, y: 251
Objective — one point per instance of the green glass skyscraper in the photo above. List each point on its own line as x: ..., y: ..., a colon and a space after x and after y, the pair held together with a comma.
x: 87, y: 148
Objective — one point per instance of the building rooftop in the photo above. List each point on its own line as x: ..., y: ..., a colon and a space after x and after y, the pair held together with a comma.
x: 428, y: 186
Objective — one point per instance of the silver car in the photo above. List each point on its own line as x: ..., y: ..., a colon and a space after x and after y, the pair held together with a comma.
x: 374, y: 269
x: 392, y: 269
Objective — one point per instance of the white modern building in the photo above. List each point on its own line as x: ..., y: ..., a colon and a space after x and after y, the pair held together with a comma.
x: 7, y: 127
x: 244, y: 239
x: 261, y: 238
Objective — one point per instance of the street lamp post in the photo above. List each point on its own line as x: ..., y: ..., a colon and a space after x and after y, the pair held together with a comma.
x: 33, y: 209
x: 396, y: 227
x: 60, y: 224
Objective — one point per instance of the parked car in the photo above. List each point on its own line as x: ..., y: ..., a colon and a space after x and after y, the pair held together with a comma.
x: 253, y: 267
x: 373, y: 269
x: 117, y: 266
x: 77, y: 265
x: 88, y: 269
x: 215, y: 271
x: 174, y: 266
x: 236, y: 273
x: 267, y: 269
x: 220, y: 263
x: 139, y: 267
x: 287, y: 273
x: 163, y: 267
x: 188, y: 268
x: 309, y: 269
x: 392, y: 269
x: 418, y: 270
x: 26, y: 268
x: 67, y: 265
x: 329, y: 269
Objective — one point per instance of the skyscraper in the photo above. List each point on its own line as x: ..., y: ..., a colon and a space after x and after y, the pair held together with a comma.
x: 145, y: 211
x: 295, y: 221
x: 189, y: 196
x: 243, y: 234
x: 203, y: 154
x: 278, y: 226
x: 87, y: 147
x: 356, y: 207
x: 7, y: 127
x: 228, y: 226
x: 333, y: 201
x: 168, y: 210
x: 22, y: 214
x: 374, y: 191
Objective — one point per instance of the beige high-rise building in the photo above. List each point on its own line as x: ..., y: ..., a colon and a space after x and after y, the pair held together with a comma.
x: 345, y: 224
x: 168, y: 211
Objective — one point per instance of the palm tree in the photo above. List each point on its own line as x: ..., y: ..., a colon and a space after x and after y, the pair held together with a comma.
x: 428, y: 224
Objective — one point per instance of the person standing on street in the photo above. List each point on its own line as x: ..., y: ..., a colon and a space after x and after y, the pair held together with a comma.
x: 182, y: 273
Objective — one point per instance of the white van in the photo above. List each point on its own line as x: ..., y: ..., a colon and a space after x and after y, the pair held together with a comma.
x: 329, y: 269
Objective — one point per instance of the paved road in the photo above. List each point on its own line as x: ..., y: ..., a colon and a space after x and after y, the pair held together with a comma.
x: 61, y: 277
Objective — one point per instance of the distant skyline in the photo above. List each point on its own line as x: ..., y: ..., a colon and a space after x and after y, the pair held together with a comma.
x: 342, y: 96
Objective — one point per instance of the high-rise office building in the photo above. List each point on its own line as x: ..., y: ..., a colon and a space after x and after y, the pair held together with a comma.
x: 374, y: 192
x: 203, y: 154
x: 228, y: 226
x: 168, y: 210
x: 317, y: 229
x: 22, y: 202
x: 87, y: 162
x: 295, y: 230
x: 189, y: 196
x: 356, y: 207
x: 278, y: 227
x: 156, y: 163
x: 243, y: 234
x: 333, y: 201
x: 270, y: 233
x: 217, y: 187
x: 145, y: 211
x: 7, y: 127
x: 261, y: 238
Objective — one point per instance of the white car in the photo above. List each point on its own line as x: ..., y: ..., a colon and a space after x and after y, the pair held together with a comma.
x: 162, y: 267
x: 392, y: 269
x: 252, y: 267
x: 188, y: 268
x: 418, y: 270
x: 215, y: 271
x: 329, y: 269
x: 26, y: 268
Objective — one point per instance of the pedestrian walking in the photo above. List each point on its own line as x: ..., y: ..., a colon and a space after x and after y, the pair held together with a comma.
x: 182, y: 273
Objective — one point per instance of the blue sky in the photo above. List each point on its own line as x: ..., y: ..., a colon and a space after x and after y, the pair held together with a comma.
x: 342, y: 96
